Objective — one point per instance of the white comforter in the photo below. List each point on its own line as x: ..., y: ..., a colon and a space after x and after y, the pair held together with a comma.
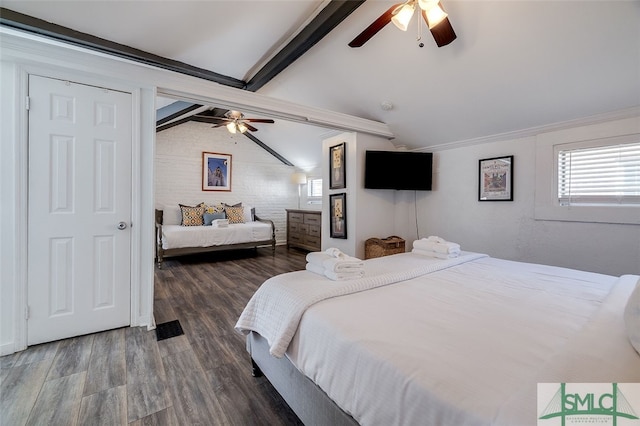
x: 464, y: 344
x: 177, y: 236
x: 275, y: 309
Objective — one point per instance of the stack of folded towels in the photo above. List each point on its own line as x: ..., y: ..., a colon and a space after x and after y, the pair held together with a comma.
x: 220, y: 223
x: 335, y: 265
x: 436, y: 247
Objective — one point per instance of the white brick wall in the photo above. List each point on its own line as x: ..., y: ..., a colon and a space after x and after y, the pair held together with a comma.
x: 258, y: 179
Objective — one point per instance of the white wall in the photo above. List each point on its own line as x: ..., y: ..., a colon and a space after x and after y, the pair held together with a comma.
x: 370, y: 213
x: 258, y: 178
x: 509, y: 230
x: 11, y: 202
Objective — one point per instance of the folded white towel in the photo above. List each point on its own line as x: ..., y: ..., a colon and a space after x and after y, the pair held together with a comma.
x: 431, y: 253
x: 334, y: 252
x: 435, y: 239
x: 446, y: 247
x: 220, y: 223
x: 312, y: 267
x: 343, y: 276
x: 334, y: 276
x: 345, y: 264
x: 318, y: 257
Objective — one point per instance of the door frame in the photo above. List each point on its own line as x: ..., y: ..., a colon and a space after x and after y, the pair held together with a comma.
x: 22, y: 171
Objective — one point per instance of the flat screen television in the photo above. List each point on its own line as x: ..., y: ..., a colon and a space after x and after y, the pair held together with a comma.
x: 402, y: 170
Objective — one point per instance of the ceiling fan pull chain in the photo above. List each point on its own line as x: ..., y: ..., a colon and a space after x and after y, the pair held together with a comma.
x: 419, y: 38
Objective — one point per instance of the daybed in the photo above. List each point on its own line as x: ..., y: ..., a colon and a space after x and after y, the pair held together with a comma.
x: 461, y: 341
x: 173, y: 238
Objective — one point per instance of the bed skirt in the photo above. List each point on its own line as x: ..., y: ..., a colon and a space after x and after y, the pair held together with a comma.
x: 308, y: 401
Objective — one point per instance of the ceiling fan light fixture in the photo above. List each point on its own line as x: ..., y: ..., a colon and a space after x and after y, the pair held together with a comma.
x: 435, y: 15
x: 233, y: 114
x: 231, y: 127
x: 404, y: 15
x: 242, y: 128
x: 427, y: 4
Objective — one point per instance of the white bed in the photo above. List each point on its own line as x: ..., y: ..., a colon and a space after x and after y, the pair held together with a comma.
x: 445, y: 342
x: 177, y: 236
x: 174, y: 239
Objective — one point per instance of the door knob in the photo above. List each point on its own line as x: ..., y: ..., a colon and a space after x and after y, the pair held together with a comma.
x: 122, y: 225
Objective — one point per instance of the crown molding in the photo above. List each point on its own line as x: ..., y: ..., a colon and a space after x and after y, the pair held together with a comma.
x: 533, y: 131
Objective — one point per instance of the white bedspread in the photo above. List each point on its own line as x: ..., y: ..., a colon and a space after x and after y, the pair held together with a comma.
x: 275, y: 309
x: 465, y: 345
x: 177, y: 236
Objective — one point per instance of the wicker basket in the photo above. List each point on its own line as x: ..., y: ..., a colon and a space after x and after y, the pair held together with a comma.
x: 378, y: 247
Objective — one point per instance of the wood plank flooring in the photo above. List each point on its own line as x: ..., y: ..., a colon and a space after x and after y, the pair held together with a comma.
x: 126, y: 376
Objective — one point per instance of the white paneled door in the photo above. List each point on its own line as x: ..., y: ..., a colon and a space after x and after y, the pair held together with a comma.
x: 79, y: 209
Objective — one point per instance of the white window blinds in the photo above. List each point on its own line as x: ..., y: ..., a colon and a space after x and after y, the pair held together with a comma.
x: 599, y: 175
x: 314, y: 188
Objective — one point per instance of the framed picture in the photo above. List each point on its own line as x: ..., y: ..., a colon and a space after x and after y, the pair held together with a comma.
x: 496, y: 179
x: 216, y: 171
x: 338, y: 215
x: 337, y: 172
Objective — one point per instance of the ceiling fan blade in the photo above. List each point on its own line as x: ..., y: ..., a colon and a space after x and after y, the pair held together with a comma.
x: 250, y: 127
x: 259, y: 120
x: 442, y: 33
x: 213, y: 112
x: 209, y: 119
x: 376, y: 26
x: 218, y: 125
x: 218, y: 112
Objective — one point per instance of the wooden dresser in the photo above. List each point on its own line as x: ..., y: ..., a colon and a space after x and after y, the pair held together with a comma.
x: 303, y: 229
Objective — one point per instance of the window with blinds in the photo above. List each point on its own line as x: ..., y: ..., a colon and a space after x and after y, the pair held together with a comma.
x: 314, y: 191
x: 602, y: 175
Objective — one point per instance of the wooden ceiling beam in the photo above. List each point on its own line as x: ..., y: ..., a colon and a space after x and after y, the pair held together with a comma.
x: 12, y: 19
x: 334, y: 13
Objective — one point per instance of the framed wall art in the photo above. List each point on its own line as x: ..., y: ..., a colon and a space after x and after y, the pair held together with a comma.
x: 337, y: 171
x: 338, y: 215
x: 216, y: 171
x: 496, y: 179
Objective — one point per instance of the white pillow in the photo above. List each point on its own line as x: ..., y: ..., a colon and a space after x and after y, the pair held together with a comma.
x: 632, y: 318
x: 248, y: 214
x: 171, y: 215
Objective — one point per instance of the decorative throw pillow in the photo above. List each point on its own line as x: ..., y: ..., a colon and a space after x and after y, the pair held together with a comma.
x: 215, y: 208
x: 171, y: 215
x: 632, y: 318
x: 229, y: 205
x: 235, y: 214
x: 249, y: 213
x: 210, y: 217
x: 192, y: 215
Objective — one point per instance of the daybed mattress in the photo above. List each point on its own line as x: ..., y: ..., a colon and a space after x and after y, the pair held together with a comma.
x: 465, y: 344
x: 177, y: 236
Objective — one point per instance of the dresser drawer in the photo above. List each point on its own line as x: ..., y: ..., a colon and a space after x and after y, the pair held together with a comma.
x: 303, y: 228
x: 297, y: 238
x: 310, y: 240
x: 294, y: 227
x: 312, y: 219
x: 296, y: 217
x: 314, y: 230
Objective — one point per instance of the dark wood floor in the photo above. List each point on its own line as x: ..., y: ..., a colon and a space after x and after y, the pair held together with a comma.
x: 126, y: 376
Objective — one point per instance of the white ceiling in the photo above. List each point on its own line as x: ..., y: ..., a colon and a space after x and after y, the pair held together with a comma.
x: 515, y: 64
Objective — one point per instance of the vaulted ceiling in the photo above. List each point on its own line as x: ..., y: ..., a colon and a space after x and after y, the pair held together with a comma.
x: 515, y: 64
